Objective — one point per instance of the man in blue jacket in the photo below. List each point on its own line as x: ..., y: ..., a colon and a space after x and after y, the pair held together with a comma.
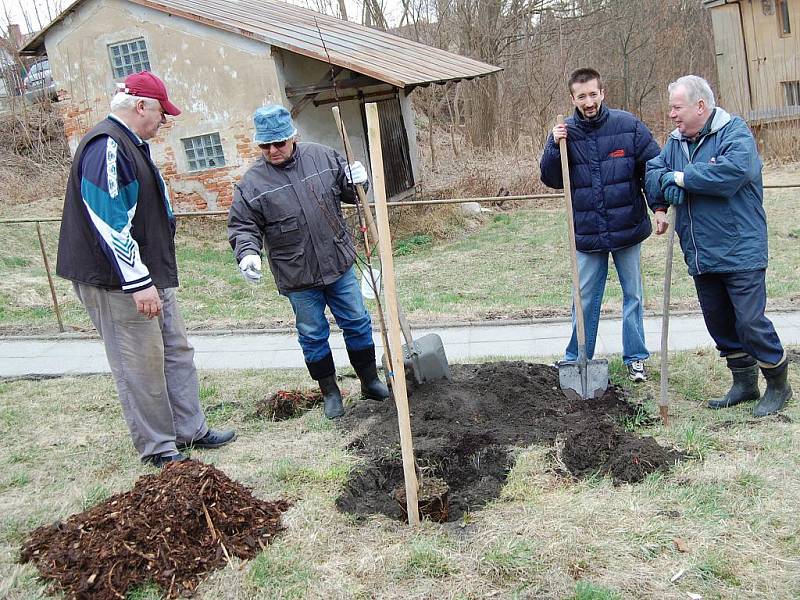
x: 709, y: 172
x: 608, y: 150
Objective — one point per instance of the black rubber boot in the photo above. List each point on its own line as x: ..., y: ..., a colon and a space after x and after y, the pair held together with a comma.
x: 745, y: 383
x: 324, y: 372
x: 778, y: 390
x: 331, y: 396
x: 363, y: 362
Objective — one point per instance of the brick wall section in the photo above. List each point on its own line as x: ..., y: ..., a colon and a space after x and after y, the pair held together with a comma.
x: 210, y: 189
x: 78, y: 119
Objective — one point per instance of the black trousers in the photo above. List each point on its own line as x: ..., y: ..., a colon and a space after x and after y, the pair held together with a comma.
x: 733, y: 307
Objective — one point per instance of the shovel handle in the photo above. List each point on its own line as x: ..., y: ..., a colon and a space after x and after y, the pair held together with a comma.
x: 573, y: 254
x: 663, y: 400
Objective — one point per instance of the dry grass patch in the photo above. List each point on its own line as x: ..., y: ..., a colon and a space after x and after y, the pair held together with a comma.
x: 724, y: 524
x: 512, y: 263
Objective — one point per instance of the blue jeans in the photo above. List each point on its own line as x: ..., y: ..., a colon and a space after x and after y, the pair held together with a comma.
x: 593, y: 271
x: 343, y: 297
x: 733, y: 307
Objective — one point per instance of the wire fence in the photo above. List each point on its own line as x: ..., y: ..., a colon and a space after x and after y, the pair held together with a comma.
x: 37, y: 221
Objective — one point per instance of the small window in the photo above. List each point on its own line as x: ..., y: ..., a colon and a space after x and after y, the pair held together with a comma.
x: 204, y: 152
x: 791, y: 91
x: 784, y: 25
x: 129, y: 57
x: 39, y: 67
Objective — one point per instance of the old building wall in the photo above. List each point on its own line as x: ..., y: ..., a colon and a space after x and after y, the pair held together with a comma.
x: 317, y: 123
x: 216, y: 78
x: 773, y: 56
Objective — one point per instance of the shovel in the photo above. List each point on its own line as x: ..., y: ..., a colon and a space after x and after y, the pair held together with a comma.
x: 663, y: 400
x: 585, y: 378
x: 425, y: 355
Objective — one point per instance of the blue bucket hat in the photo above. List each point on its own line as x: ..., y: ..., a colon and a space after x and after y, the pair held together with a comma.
x: 273, y: 124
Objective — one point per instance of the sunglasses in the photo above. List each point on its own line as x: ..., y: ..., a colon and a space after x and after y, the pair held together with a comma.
x: 278, y: 145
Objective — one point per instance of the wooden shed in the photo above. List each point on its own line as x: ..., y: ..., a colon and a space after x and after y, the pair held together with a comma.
x: 221, y: 59
x: 758, y: 58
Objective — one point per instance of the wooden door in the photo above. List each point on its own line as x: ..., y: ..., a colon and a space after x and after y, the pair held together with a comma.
x: 394, y: 145
x: 734, y: 79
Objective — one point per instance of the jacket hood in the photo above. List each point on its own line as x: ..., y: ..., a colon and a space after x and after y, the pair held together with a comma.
x: 720, y: 119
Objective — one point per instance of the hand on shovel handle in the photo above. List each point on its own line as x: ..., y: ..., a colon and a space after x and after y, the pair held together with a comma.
x: 588, y: 378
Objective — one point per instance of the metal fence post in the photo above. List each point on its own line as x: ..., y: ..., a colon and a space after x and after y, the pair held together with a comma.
x: 50, y: 278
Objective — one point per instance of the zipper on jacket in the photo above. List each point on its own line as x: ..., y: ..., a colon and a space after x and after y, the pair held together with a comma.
x: 690, y: 156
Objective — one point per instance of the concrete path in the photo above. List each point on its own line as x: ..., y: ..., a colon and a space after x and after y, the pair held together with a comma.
x: 260, y: 350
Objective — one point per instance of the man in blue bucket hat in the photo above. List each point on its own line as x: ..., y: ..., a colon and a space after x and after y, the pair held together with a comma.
x: 289, y: 204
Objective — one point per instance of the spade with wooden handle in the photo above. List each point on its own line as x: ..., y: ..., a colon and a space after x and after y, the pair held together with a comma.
x: 587, y: 378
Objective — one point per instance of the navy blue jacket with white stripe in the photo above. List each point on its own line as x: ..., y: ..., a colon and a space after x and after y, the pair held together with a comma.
x: 117, y: 228
x: 722, y: 225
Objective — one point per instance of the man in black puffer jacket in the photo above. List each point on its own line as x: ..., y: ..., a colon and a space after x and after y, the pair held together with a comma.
x: 608, y: 150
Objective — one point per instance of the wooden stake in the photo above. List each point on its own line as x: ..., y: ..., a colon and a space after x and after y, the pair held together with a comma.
x: 370, y: 235
x: 398, y: 372
x: 373, y: 233
x: 50, y: 279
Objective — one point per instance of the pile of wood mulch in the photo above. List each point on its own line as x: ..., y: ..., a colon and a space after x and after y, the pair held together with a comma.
x: 170, y: 529
x: 287, y: 404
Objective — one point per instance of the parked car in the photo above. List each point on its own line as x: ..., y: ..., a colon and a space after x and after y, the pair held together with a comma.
x: 39, y: 84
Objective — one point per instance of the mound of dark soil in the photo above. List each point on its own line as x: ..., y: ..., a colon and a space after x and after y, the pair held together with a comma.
x: 170, y: 529
x: 606, y: 449
x: 465, y: 431
x: 287, y: 404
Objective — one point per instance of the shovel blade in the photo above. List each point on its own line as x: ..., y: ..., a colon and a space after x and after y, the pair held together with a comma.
x: 586, y: 379
x: 426, y: 359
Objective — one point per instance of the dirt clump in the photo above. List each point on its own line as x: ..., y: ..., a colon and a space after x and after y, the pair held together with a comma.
x: 606, y: 449
x: 465, y: 432
x: 170, y: 529
x: 793, y: 356
x: 287, y: 404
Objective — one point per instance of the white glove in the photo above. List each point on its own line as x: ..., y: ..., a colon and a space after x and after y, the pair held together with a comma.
x: 356, y: 173
x: 250, y: 266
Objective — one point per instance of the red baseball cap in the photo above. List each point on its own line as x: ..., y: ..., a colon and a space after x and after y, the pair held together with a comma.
x: 147, y: 85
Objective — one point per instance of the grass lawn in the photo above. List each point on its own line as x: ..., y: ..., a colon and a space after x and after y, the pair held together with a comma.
x: 506, y: 264
x: 724, y: 524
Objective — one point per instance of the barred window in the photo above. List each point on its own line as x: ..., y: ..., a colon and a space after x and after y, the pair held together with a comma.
x: 204, y: 152
x: 791, y: 91
x: 129, y: 57
x: 784, y: 24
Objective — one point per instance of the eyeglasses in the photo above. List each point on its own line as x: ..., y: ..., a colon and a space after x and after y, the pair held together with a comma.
x: 278, y: 145
x: 156, y: 108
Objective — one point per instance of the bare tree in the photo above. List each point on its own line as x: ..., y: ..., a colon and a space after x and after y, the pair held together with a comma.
x: 639, y: 47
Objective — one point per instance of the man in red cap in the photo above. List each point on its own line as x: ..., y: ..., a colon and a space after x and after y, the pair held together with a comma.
x: 117, y: 247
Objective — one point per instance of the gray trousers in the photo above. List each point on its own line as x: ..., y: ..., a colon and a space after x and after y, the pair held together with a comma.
x: 153, y: 366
